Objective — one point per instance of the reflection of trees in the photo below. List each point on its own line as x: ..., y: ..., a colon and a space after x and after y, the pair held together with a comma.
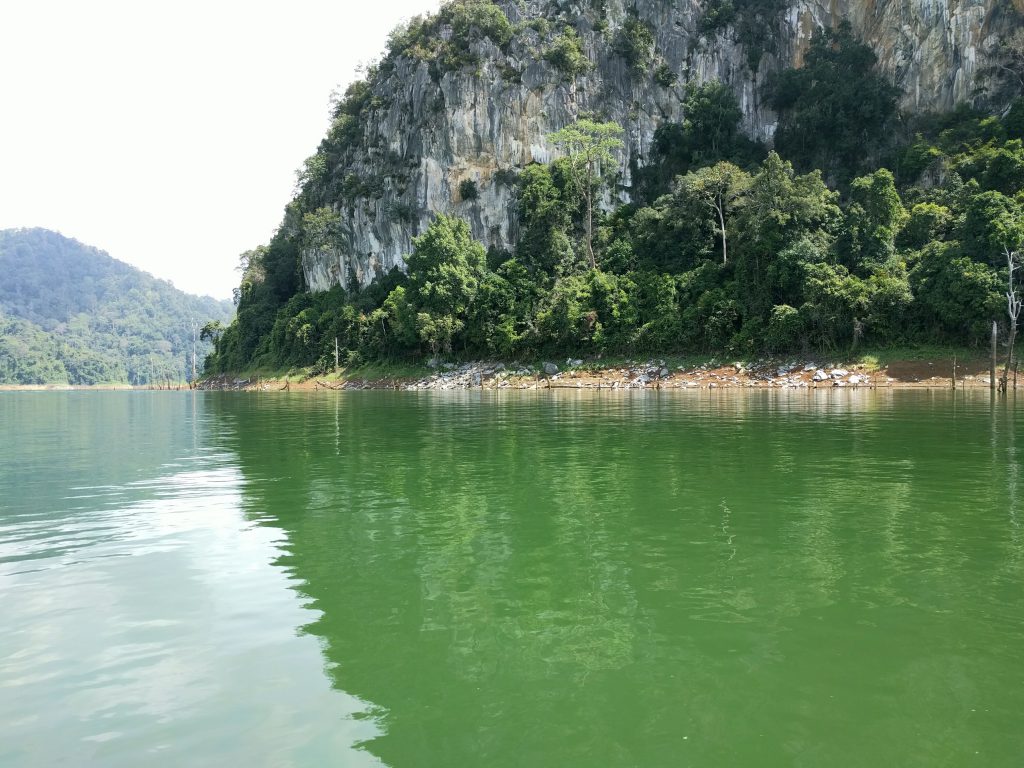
x: 591, y: 578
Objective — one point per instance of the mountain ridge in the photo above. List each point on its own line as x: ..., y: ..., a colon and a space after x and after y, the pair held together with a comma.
x: 72, y: 314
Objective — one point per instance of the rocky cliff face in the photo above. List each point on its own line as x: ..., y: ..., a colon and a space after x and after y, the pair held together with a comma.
x: 428, y: 130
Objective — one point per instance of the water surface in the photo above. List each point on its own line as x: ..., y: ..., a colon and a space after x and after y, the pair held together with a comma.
x: 570, y: 579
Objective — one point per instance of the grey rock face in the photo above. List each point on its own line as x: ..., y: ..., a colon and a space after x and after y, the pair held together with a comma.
x: 426, y: 136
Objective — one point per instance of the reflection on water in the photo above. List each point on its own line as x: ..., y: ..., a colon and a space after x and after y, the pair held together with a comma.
x: 572, y: 579
x: 626, y: 580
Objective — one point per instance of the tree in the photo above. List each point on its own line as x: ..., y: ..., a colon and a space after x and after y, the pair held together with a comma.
x: 566, y: 54
x: 212, y: 332
x: 873, y: 219
x: 445, y: 270
x: 779, y: 211
x: 589, y: 147
x: 635, y: 43
x: 834, y: 109
x: 712, y: 117
x: 991, y: 224
x: 544, y: 217
x: 1013, y: 307
x: 954, y: 296
x: 709, y: 132
x: 719, y: 187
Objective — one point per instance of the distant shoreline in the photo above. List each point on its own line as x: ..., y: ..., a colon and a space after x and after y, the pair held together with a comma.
x: 86, y: 388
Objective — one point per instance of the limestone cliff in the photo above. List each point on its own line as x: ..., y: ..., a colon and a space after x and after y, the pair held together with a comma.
x: 426, y: 129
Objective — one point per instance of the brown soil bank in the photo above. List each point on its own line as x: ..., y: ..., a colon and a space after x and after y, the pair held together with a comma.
x: 654, y: 373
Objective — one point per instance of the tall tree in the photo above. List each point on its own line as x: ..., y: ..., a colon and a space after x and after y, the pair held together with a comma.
x: 589, y: 147
x: 445, y: 270
x: 833, y: 111
x: 212, y: 332
x: 1013, y: 307
x: 872, y: 221
x: 719, y: 187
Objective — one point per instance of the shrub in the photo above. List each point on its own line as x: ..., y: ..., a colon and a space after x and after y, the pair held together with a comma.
x: 566, y: 54
x: 468, y: 190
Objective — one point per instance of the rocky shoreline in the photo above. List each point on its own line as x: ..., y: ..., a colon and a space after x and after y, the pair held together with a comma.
x: 653, y: 373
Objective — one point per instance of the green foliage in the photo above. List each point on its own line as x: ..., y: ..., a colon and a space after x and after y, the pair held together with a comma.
x: 501, y: 318
x: 588, y: 145
x: 589, y: 149
x: 956, y: 297
x: 710, y: 313
x: 468, y: 190
x: 719, y: 188
x: 445, y: 269
x: 833, y: 111
x: 635, y: 44
x: 891, y: 303
x: 925, y: 223
x: 72, y: 314
x: 544, y: 218
x: 996, y: 166
x: 465, y: 22
x: 665, y: 76
x: 654, y: 299
x: 836, y: 302
x: 675, y: 235
x: 709, y: 133
x: 566, y: 54
x: 780, y: 211
x: 320, y: 229
x: 592, y: 312
x: 712, y: 119
x: 785, y: 329
x: 992, y: 222
x: 873, y: 219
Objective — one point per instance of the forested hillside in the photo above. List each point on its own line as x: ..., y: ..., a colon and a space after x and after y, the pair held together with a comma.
x: 71, y: 314
x: 857, y: 224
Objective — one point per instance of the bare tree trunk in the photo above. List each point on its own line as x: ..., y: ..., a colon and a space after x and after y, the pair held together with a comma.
x: 1013, y: 307
x: 858, y: 334
x: 721, y: 222
x: 992, y: 367
x: 1009, y: 357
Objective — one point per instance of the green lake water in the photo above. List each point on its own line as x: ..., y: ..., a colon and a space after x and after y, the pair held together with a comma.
x: 827, y: 578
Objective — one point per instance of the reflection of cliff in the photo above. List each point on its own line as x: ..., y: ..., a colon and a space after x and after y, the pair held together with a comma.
x: 553, y: 580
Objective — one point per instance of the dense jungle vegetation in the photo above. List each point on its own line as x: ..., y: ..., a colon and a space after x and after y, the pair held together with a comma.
x: 70, y: 314
x: 860, y: 226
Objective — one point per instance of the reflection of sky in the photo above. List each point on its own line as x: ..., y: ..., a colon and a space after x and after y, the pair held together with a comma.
x: 152, y: 629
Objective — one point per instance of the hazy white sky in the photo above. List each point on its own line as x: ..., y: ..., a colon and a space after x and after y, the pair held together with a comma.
x: 168, y: 133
